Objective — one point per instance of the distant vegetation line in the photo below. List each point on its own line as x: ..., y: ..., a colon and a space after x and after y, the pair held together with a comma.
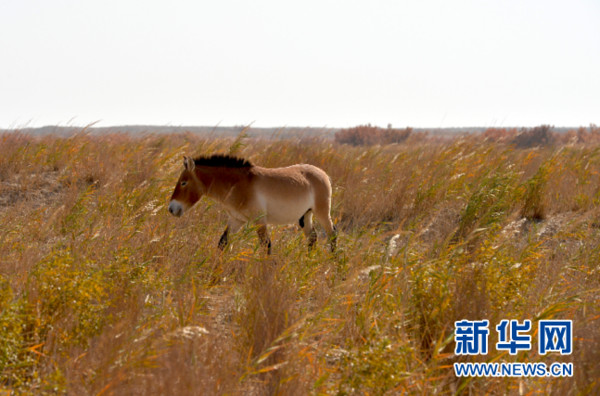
x: 216, y: 131
x: 270, y: 132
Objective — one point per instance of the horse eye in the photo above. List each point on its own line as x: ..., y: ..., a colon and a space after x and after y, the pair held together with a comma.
x: 183, y: 183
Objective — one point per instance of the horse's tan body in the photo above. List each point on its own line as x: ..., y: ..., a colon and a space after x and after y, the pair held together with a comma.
x: 253, y: 193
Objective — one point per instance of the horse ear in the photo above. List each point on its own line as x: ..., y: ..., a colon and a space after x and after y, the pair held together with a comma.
x: 188, y: 163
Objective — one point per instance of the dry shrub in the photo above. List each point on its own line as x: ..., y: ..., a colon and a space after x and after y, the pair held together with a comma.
x: 367, y: 135
x: 538, y: 136
x: 543, y: 135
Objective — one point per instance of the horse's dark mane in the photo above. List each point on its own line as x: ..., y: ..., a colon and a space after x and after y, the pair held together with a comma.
x: 223, y: 160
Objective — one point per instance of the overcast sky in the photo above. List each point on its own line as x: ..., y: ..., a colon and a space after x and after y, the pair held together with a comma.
x: 303, y: 63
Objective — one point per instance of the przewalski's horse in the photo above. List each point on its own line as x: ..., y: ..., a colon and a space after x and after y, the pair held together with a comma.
x: 253, y: 193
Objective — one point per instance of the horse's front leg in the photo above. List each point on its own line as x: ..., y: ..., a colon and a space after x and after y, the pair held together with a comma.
x: 263, y: 235
x: 223, y: 240
x: 233, y: 226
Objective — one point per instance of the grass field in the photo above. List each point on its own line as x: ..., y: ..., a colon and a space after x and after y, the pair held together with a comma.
x: 103, y: 292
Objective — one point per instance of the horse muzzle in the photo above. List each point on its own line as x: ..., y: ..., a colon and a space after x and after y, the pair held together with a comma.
x: 175, y: 208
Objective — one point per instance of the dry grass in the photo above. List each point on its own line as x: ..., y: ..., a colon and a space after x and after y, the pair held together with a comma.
x: 102, y: 292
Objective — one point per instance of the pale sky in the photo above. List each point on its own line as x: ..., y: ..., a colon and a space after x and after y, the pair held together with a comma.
x: 304, y: 63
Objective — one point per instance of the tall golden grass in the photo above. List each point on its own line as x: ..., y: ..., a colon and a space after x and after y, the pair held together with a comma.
x: 103, y: 292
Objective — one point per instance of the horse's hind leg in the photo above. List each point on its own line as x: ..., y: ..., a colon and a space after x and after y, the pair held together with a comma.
x: 263, y: 235
x: 332, y: 236
x: 323, y: 217
x: 306, y: 224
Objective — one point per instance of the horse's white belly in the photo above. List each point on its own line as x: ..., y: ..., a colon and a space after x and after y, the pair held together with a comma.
x: 279, y: 210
